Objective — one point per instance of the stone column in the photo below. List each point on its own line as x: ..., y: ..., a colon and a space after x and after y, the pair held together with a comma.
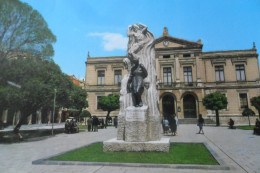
x: 177, y: 69
x: 59, y: 115
x: 198, y: 70
x: 5, y: 114
x: 49, y: 117
x: 29, y: 119
x: 39, y: 116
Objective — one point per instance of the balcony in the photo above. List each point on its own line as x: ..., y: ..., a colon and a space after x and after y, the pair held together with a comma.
x: 177, y: 85
x: 108, y: 88
x: 223, y: 84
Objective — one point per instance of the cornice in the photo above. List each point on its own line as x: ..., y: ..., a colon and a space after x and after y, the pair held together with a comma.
x: 178, y: 40
x: 229, y: 56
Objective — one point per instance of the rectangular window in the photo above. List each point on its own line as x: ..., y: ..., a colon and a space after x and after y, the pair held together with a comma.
x: 98, y: 98
x: 240, y: 71
x: 167, y: 76
x: 166, y: 56
x: 219, y: 73
x: 101, y: 77
x: 117, y: 76
x: 186, y: 55
x: 187, y: 71
x: 243, y: 100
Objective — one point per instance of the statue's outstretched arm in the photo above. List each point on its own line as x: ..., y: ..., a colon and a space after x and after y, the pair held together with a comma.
x: 142, y: 27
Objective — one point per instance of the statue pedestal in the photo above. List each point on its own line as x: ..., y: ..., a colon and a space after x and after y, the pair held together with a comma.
x: 136, y: 134
x: 136, y: 124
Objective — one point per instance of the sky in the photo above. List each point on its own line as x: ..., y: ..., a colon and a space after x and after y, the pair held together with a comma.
x: 99, y: 26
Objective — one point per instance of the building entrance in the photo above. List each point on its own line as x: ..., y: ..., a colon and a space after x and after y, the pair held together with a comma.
x: 168, y: 105
x: 189, y: 106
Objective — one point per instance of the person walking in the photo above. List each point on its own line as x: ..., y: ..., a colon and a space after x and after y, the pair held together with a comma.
x: 200, y: 124
x: 89, y: 122
x: 172, y: 123
x: 115, y: 121
x: 95, y: 123
x: 177, y: 123
x: 166, y: 126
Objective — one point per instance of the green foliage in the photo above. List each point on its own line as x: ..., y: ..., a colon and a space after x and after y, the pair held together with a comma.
x: 38, y: 79
x: 180, y: 153
x: 245, y: 127
x: 248, y: 112
x: 255, y: 101
x: 109, y: 103
x: 78, y: 96
x: 85, y: 113
x: 23, y: 29
x: 215, y: 101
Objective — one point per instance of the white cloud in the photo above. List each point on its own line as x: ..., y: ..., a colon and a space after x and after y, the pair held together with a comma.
x: 112, y: 41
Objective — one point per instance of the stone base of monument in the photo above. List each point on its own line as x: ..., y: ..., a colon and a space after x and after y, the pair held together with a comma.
x: 114, y: 145
x: 138, y: 133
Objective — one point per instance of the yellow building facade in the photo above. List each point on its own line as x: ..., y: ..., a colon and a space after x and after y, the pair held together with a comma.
x: 185, y: 74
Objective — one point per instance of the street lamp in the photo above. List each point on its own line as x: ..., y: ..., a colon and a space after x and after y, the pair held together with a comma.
x: 53, y: 109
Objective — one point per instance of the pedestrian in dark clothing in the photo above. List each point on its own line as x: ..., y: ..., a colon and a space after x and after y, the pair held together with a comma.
x: 89, y: 122
x: 201, y: 123
x: 172, y: 123
x: 115, y: 121
x: 257, y: 127
x: 231, y: 123
x: 95, y: 123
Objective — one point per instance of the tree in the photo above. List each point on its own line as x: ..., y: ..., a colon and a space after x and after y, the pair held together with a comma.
x: 255, y: 101
x: 109, y: 103
x: 78, y: 97
x: 215, y: 101
x: 248, y: 112
x: 23, y: 29
x: 38, y: 79
x: 85, y: 114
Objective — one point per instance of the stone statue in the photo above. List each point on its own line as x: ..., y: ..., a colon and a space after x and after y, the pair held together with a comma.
x: 135, y: 83
x: 139, y: 117
x: 141, y: 47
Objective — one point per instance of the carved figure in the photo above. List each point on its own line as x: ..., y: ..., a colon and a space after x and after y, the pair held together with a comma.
x: 135, y: 83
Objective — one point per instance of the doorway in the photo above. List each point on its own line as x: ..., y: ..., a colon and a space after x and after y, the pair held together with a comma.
x: 189, y: 106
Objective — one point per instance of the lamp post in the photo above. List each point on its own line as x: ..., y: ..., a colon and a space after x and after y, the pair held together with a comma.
x: 53, y: 109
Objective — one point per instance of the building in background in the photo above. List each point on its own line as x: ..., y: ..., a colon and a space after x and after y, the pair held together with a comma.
x: 77, y: 81
x: 185, y: 74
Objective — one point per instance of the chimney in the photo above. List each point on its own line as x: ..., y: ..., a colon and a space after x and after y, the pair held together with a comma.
x: 165, y: 31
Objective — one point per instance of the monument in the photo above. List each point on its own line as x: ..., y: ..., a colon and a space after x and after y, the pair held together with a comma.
x: 139, y: 119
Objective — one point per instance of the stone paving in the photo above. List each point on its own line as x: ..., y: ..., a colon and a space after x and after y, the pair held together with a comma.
x: 239, y: 149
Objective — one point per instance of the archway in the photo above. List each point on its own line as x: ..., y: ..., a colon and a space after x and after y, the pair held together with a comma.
x: 168, y: 105
x: 189, y: 106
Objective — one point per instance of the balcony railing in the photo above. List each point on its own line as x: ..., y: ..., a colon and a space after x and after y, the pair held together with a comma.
x: 204, y: 84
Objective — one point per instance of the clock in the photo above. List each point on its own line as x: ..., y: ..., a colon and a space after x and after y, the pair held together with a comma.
x: 165, y: 43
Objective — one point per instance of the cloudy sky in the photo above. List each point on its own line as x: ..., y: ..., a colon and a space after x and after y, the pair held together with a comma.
x: 99, y: 26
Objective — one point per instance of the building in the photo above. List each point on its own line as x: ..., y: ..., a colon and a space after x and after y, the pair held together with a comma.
x: 77, y: 81
x: 185, y: 74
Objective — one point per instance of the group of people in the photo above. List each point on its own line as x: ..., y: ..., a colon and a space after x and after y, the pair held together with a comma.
x: 170, y: 122
x: 93, y: 123
x: 71, y: 126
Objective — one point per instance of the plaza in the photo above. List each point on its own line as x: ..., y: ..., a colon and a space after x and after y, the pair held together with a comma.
x: 237, y: 149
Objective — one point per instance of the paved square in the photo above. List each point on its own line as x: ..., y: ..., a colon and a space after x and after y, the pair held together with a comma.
x: 239, y: 149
